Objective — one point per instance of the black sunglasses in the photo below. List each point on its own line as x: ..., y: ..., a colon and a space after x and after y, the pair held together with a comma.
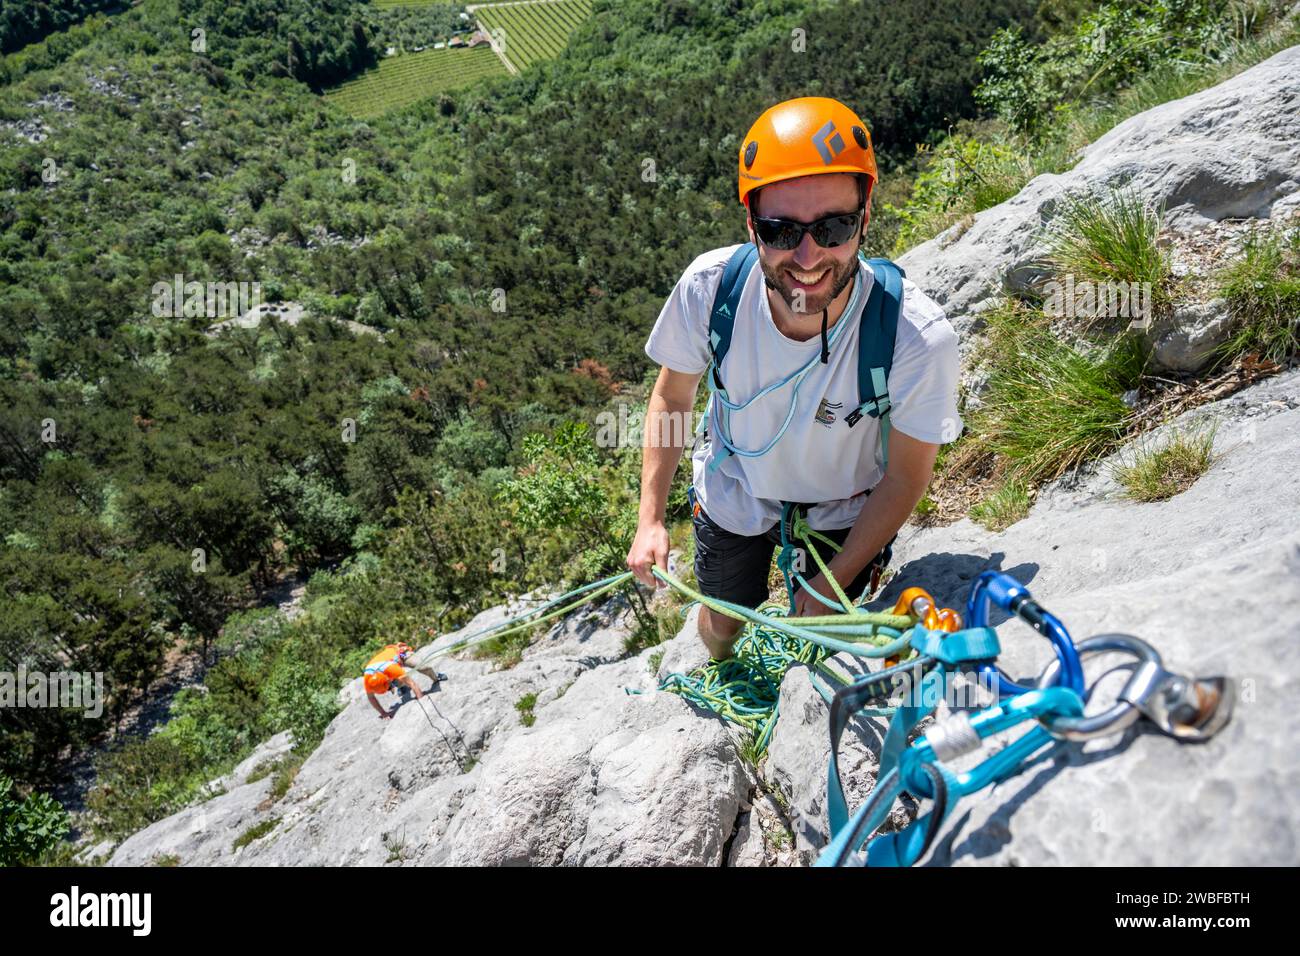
x: 786, y: 234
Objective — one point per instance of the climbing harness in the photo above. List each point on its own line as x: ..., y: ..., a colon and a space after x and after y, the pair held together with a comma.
x: 878, y: 328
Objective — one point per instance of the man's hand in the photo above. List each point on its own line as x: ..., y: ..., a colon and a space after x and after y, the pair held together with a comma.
x: 649, y: 550
x: 805, y: 605
x: 385, y: 715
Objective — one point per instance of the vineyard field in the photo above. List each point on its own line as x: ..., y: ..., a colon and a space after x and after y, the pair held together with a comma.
x: 402, y: 80
x: 529, y: 32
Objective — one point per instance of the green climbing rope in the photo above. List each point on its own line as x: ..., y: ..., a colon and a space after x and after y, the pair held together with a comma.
x: 535, y: 616
x: 745, y: 688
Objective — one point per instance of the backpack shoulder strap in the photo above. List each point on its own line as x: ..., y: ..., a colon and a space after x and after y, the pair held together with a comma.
x: 722, y: 318
x: 876, y: 346
x: 876, y: 339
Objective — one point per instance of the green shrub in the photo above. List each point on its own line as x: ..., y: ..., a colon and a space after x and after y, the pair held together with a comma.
x: 963, y: 176
x: 1053, y: 98
x: 560, y: 487
x: 30, y: 826
x: 140, y: 782
x: 1077, y: 126
x: 301, y: 702
x: 318, y: 520
x: 1027, y: 82
x: 251, y: 630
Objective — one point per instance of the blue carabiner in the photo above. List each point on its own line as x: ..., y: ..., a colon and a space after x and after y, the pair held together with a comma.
x: 920, y: 772
x: 1014, y: 598
x: 1002, y: 716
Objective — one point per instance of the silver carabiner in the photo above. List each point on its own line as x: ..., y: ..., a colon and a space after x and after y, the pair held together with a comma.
x: 1182, y: 707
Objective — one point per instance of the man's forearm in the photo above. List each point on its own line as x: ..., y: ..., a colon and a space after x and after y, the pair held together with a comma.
x: 665, y: 438
x: 889, y: 505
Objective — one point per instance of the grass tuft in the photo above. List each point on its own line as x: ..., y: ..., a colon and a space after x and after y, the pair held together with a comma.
x: 1004, y: 507
x: 254, y: 832
x: 1263, y: 293
x: 508, y: 650
x: 750, y: 752
x: 1158, y: 473
x: 1051, y: 406
x: 285, y: 775
x: 525, y: 707
x: 1111, y: 238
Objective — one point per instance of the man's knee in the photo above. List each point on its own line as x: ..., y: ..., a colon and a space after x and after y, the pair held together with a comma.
x: 718, y: 632
x: 718, y: 625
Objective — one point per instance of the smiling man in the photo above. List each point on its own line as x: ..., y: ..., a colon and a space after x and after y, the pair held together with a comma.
x: 834, y: 379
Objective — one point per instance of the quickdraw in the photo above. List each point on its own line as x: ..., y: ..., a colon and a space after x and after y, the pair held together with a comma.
x: 1186, y: 708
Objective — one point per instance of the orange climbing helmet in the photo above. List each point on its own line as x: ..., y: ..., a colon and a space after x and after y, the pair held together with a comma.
x: 805, y: 137
x: 385, y: 667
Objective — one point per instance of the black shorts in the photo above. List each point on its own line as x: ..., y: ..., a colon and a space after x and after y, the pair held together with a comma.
x: 735, y: 567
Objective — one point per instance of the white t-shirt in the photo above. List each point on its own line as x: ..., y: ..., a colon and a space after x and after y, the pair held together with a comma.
x: 819, y: 459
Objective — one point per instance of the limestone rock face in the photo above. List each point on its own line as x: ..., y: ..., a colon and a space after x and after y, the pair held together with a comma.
x: 1186, y: 341
x: 605, y: 778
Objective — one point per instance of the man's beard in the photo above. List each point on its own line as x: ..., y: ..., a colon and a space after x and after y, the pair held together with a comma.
x: 777, y: 280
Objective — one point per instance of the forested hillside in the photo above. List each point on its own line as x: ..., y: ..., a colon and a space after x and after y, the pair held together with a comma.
x: 26, y: 21
x: 508, y: 243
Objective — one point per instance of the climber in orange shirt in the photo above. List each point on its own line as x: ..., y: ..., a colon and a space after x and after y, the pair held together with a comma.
x: 385, y: 669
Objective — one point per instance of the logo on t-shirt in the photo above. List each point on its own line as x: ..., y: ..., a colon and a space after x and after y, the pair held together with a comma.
x: 826, y: 412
